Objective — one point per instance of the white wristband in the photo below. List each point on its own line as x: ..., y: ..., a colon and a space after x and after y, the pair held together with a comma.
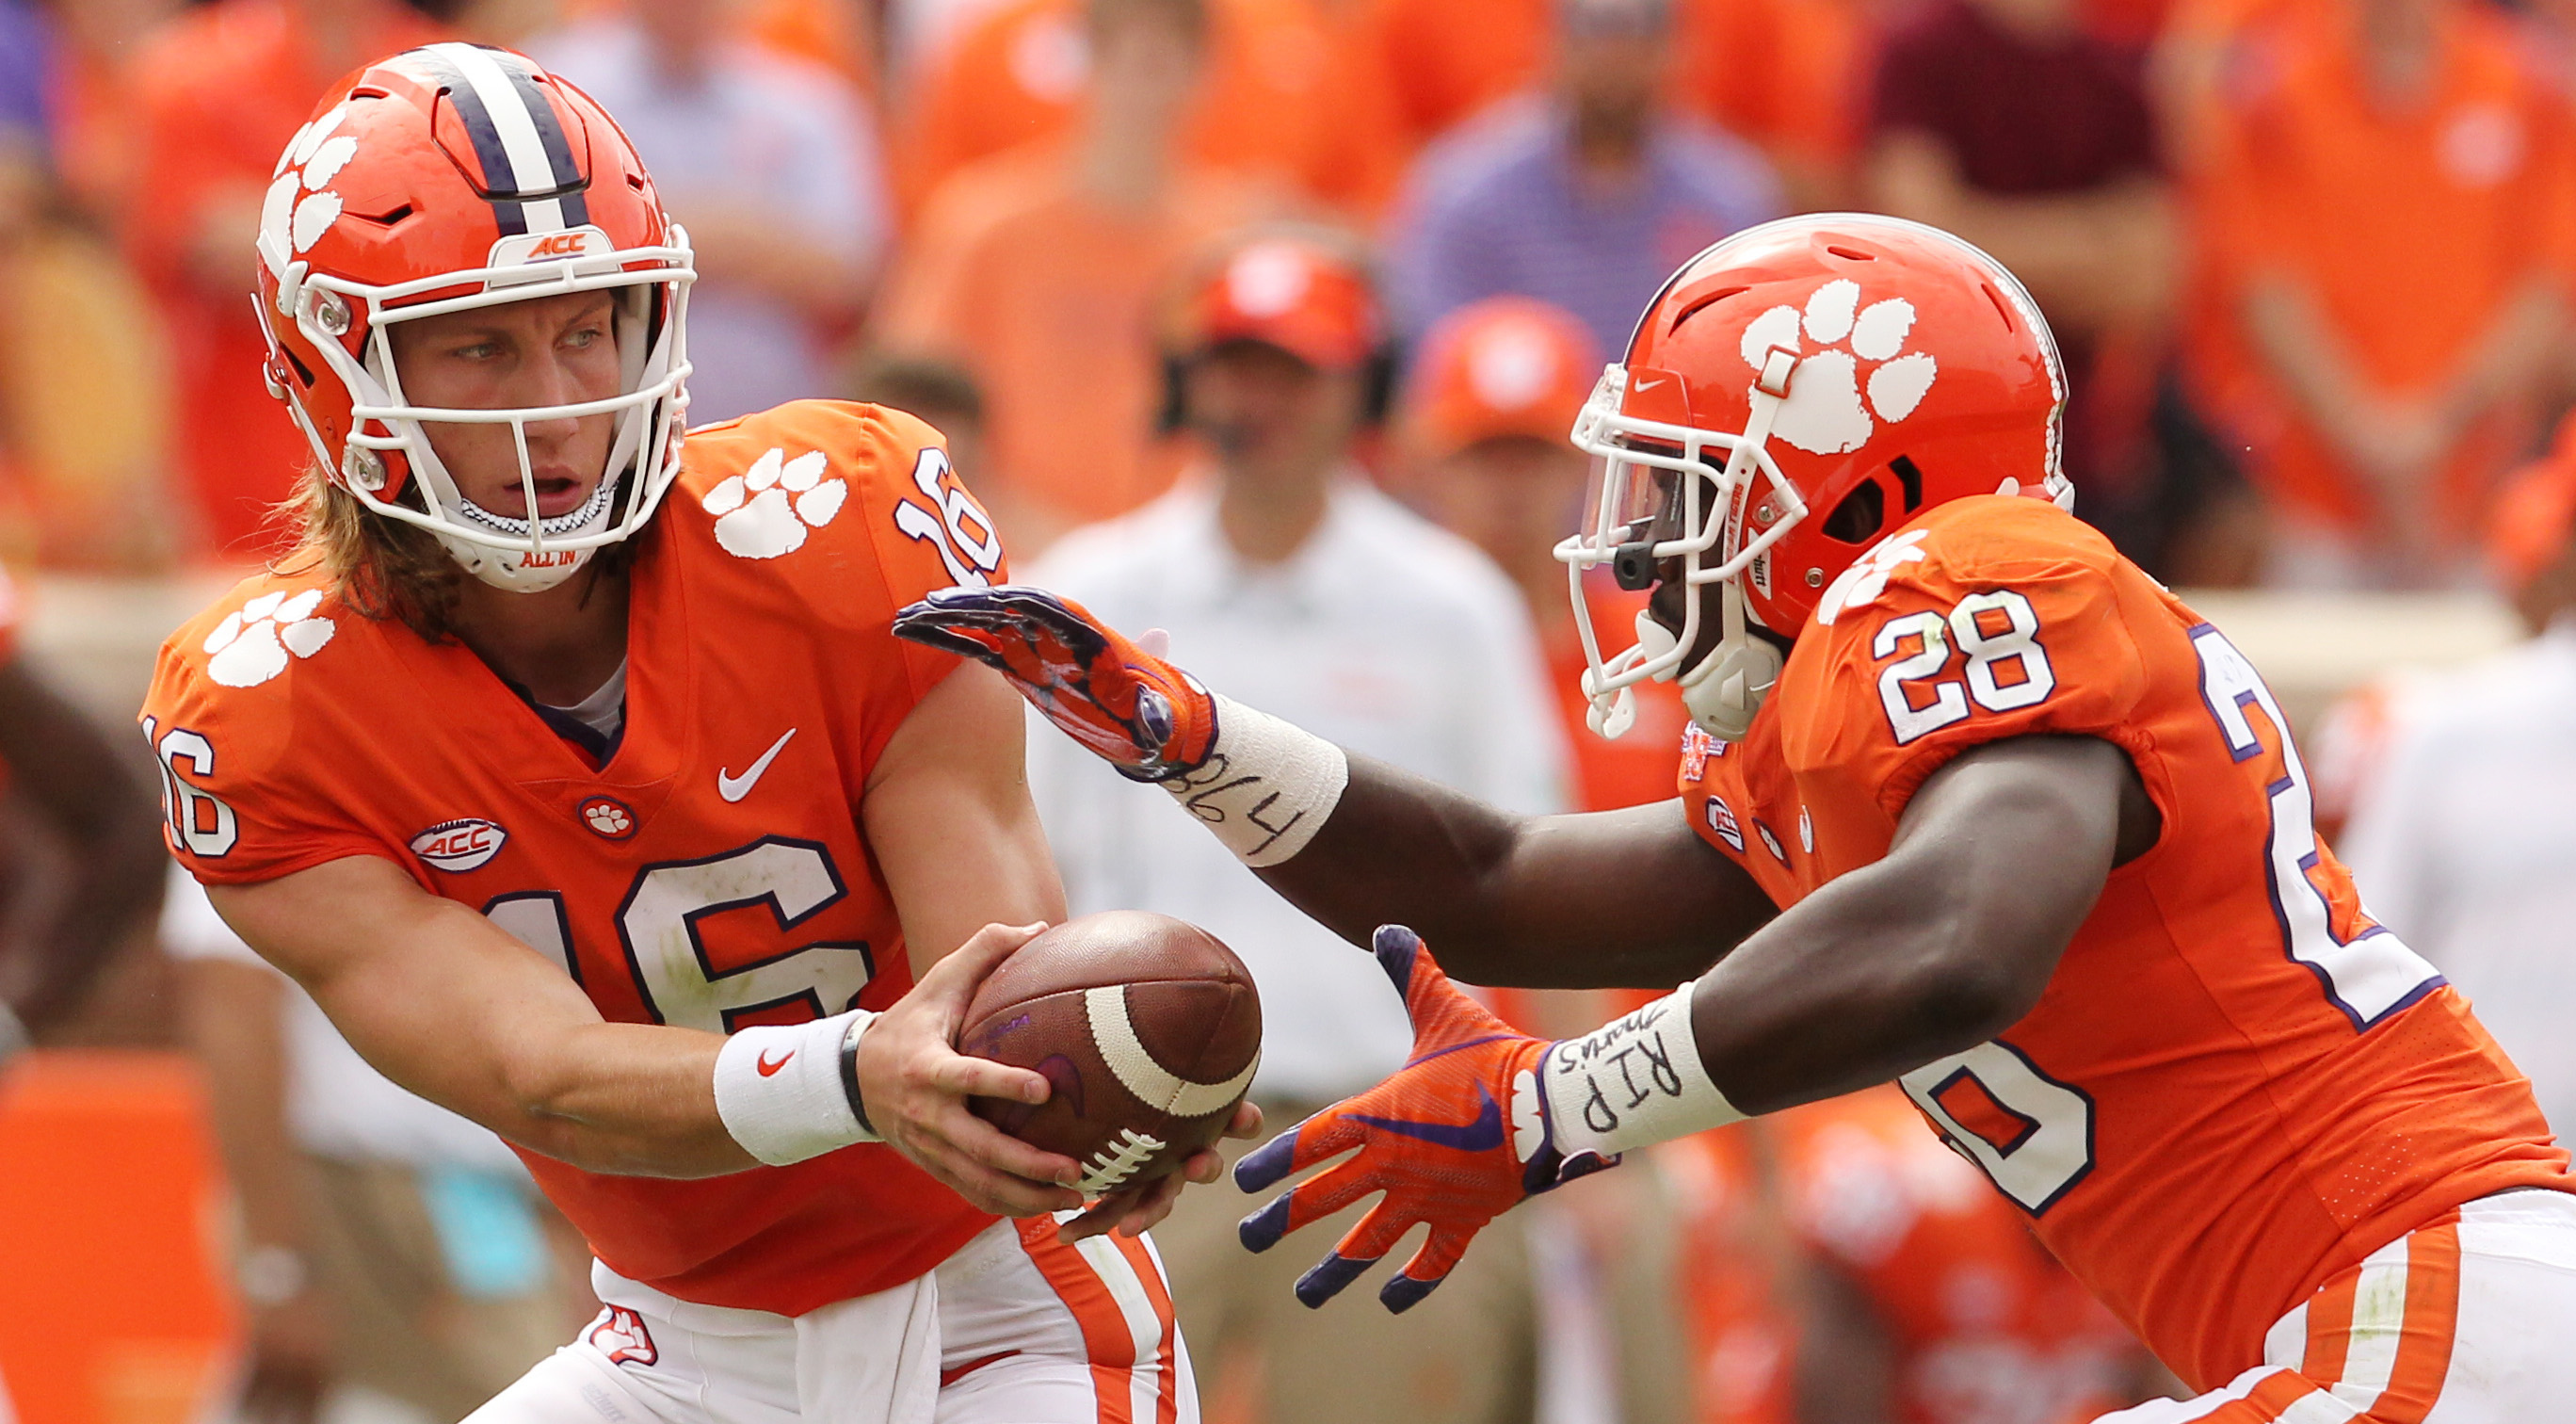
x: 780, y: 1090
x: 1633, y: 1082
x: 1266, y: 786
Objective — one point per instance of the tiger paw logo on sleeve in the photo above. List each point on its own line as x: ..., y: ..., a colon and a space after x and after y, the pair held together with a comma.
x: 764, y: 512
x: 1860, y: 585
x: 252, y: 646
x: 1824, y: 413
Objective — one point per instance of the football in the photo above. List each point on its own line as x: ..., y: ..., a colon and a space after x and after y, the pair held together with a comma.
x: 1148, y: 1029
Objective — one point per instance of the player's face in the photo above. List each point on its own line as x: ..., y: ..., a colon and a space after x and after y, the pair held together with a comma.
x: 545, y: 351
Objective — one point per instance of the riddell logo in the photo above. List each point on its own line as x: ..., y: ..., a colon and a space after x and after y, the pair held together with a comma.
x: 461, y: 845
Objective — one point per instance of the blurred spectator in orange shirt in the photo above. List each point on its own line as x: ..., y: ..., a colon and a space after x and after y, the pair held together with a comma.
x: 97, y: 131
x: 1038, y: 271
x: 221, y: 89
x: 1792, y: 76
x: 1587, y: 194
x: 771, y: 163
x: 1482, y: 429
x: 1274, y: 109
x: 2384, y: 208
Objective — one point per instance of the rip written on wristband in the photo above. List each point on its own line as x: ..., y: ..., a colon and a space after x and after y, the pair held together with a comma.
x: 1634, y: 1081
x: 1621, y: 1066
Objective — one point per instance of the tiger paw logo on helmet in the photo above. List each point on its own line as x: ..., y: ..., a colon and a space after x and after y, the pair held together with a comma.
x: 1824, y: 413
x: 251, y: 646
x: 764, y: 512
x: 300, y: 205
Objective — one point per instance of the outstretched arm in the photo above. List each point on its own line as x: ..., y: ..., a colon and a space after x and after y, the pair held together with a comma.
x: 1942, y: 944
x: 1618, y: 899
x: 1612, y: 899
x: 452, y: 1007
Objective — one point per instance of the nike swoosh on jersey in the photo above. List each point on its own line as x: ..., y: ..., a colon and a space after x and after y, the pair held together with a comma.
x: 768, y: 1069
x: 1483, y: 1135
x: 734, y: 788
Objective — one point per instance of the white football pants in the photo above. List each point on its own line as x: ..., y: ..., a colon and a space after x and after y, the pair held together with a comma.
x: 1013, y: 1329
x: 2471, y: 1320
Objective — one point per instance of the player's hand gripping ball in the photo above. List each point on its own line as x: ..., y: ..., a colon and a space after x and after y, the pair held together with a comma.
x: 1455, y: 1138
x: 1147, y: 1030
x: 1132, y: 709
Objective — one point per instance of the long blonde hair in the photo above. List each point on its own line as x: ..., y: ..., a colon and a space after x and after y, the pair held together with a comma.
x: 381, y: 568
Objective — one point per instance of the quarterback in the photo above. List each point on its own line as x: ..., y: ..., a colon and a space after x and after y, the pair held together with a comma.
x: 1969, y: 803
x: 574, y: 768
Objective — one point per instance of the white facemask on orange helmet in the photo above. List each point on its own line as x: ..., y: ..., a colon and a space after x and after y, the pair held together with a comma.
x: 1794, y: 394
x: 444, y: 179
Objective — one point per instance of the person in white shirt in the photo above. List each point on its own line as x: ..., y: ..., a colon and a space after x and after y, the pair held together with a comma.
x: 1281, y: 573
x: 772, y: 164
x: 2462, y: 834
x: 394, y: 1261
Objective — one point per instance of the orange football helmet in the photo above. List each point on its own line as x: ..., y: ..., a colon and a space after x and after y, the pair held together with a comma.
x: 445, y: 178
x: 1793, y: 394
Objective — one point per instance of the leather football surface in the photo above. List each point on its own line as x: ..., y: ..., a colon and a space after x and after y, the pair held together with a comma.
x: 1147, y: 1028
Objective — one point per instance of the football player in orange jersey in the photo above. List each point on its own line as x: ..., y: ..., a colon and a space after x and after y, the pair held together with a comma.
x: 575, y: 771
x: 1970, y: 803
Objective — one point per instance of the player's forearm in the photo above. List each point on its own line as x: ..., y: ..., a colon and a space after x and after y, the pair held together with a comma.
x: 1859, y: 984
x: 1517, y: 900
x: 1942, y: 945
x: 625, y: 1099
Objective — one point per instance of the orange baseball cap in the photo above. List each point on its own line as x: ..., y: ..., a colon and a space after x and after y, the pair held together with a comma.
x: 1502, y: 366
x: 1301, y: 294
x: 2533, y: 519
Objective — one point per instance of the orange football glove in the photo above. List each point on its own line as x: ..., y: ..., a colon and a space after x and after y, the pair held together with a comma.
x: 1412, y: 1145
x: 1135, y: 711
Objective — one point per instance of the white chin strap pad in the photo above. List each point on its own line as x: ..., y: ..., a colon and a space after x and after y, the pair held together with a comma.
x: 1729, y: 685
x: 502, y: 568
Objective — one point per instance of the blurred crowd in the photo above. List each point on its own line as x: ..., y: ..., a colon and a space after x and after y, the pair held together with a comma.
x: 1262, y: 322
x: 2306, y: 257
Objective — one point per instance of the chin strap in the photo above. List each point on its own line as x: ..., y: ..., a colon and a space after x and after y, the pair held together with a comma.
x: 1729, y: 685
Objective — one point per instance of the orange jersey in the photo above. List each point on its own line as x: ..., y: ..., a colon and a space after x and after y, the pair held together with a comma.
x: 2236, y: 1084
x: 711, y: 875
x: 1981, y: 1324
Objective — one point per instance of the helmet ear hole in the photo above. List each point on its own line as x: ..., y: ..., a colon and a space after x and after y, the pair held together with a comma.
x: 1860, y: 516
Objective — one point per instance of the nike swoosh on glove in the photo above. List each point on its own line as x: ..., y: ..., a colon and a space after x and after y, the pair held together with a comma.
x: 1132, y: 709
x: 1455, y: 1138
